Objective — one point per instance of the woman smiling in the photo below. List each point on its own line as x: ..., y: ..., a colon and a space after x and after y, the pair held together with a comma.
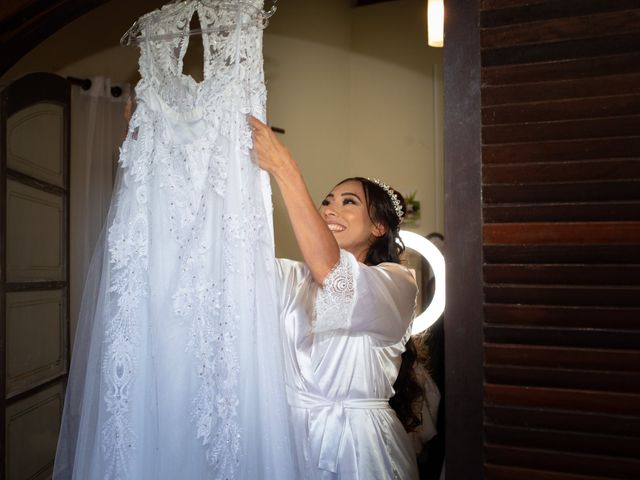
x: 346, y: 316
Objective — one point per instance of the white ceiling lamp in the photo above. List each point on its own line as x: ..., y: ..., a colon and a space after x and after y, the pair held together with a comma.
x: 435, y: 22
x: 436, y: 261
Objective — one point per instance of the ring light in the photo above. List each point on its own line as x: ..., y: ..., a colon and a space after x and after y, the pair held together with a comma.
x: 436, y: 261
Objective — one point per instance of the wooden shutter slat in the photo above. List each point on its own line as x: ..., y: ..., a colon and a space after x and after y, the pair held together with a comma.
x: 562, y: 233
x: 582, y: 253
x: 568, y: 89
x: 584, y: 191
x: 564, y: 420
x: 562, y: 357
x: 560, y: 398
x: 562, y: 70
x: 579, y: 442
x: 578, y: 171
x: 545, y: 459
x: 552, y: 110
x: 562, y: 316
x: 510, y: 12
x: 563, y: 274
x: 503, y: 472
x: 563, y: 150
x: 609, y: 127
x: 555, y: 29
x: 497, y: 4
x: 563, y: 295
x: 569, y: 336
x: 523, y: 54
x: 565, y: 212
x: 574, y: 379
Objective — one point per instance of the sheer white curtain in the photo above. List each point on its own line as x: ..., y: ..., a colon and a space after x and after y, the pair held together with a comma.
x: 97, y: 131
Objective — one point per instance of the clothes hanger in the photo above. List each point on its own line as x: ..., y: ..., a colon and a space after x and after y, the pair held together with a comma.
x: 134, y: 35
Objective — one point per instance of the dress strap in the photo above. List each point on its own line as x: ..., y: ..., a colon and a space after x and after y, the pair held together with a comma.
x: 327, y: 422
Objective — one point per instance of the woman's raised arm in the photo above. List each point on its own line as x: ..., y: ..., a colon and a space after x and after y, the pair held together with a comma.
x: 317, y: 244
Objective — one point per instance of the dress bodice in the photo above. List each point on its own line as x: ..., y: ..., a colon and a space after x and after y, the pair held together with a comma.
x: 232, y: 41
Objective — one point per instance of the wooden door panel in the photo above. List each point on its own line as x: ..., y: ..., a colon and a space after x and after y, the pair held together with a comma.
x: 35, y: 142
x: 32, y: 426
x: 35, y: 227
x: 36, y: 338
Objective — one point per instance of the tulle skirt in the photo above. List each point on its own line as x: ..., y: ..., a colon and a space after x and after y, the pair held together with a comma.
x: 177, y: 365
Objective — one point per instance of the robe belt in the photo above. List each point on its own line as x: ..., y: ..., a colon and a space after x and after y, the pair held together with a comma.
x: 327, y: 422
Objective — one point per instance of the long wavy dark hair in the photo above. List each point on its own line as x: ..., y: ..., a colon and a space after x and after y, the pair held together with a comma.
x: 407, y: 400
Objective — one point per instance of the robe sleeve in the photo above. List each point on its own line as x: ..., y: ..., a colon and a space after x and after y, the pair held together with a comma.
x: 378, y: 300
x: 289, y: 274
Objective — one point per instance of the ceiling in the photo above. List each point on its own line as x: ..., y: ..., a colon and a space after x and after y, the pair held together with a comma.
x: 25, y: 23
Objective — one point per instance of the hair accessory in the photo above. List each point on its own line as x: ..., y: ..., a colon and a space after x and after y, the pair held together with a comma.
x: 397, y: 206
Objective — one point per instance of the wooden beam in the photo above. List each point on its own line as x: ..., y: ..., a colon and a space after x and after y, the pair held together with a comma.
x: 463, y: 242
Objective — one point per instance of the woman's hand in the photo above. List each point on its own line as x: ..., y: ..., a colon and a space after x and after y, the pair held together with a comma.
x: 272, y: 155
x: 128, y: 110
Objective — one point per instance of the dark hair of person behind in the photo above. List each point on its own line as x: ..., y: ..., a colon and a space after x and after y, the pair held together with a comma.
x: 407, y: 401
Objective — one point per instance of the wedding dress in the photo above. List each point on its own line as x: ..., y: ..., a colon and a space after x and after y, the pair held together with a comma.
x: 177, y: 370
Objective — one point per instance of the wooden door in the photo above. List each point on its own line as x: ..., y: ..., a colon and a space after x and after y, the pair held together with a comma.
x: 543, y: 238
x: 34, y: 254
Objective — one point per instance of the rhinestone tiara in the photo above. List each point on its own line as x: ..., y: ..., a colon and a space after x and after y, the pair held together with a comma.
x: 397, y: 206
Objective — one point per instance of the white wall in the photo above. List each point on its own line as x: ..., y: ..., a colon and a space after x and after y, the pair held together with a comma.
x: 306, y: 51
x: 396, y: 112
x: 356, y: 89
x: 359, y: 92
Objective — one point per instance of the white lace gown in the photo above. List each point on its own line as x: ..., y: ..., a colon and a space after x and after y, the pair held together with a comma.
x: 343, y: 345
x: 176, y: 371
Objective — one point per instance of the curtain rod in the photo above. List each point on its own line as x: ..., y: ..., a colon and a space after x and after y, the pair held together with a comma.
x: 85, y: 84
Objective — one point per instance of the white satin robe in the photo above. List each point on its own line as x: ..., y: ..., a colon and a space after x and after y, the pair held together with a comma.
x: 343, y: 345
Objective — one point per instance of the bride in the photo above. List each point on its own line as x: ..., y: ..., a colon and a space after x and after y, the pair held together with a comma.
x: 346, y: 313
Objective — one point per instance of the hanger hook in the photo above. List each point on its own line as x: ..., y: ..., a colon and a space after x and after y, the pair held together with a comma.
x: 269, y: 13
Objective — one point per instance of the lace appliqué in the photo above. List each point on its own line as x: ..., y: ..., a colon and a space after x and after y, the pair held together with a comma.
x: 213, y: 340
x: 208, y: 311
x: 214, y: 327
x: 214, y: 335
x: 128, y: 250
x: 137, y: 151
x: 334, y: 301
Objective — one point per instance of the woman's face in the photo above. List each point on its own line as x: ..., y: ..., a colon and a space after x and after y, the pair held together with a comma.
x: 346, y: 214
